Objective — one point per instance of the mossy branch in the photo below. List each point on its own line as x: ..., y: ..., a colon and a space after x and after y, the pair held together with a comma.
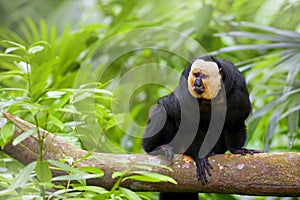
x: 276, y: 174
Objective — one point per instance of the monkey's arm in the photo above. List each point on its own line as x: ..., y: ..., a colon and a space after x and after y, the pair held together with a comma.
x: 203, y: 167
x: 157, y: 136
x: 235, y: 139
x: 235, y: 128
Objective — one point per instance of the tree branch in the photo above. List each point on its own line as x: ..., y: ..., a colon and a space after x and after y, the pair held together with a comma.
x: 276, y: 174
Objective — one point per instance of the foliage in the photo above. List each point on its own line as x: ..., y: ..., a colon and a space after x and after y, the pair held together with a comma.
x: 38, y: 77
x: 29, y: 181
x: 275, y: 94
x: 42, y: 100
x: 44, y: 44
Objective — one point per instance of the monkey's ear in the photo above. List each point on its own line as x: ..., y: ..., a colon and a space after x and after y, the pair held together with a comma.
x: 221, y: 71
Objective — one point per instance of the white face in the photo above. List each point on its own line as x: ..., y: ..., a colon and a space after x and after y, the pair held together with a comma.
x: 210, y: 78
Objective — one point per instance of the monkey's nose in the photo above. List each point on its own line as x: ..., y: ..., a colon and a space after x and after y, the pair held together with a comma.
x: 198, y: 82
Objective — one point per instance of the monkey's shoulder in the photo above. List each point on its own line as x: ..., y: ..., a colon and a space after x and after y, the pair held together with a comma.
x: 170, y: 104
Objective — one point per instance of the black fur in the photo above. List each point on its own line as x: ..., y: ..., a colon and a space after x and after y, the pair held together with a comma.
x: 171, y: 126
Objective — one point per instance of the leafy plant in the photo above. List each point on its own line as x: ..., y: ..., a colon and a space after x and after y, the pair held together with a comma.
x: 30, y: 87
x: 79, y: 189
x: 274, y: 78
x: 139, y: 172
x: 23, y: 180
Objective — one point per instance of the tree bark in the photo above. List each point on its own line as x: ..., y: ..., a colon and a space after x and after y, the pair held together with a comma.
x: 274, y: 174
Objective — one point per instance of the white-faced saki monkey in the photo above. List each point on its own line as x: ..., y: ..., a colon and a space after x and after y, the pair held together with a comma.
x: 203, y: 116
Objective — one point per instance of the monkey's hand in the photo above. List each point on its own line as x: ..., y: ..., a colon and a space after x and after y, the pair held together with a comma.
x: 203, y: 167
x: 165, y: 150
x: 244, y: 151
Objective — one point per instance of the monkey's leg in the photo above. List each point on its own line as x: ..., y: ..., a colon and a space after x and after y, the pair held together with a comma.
x: 165, y: 150
x: 235, y: 139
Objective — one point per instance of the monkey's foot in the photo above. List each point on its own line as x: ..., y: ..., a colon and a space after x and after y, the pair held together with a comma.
x: 244, y: 151
x: 188, y: 159
x: 203, y: 167
x: 165, y: 150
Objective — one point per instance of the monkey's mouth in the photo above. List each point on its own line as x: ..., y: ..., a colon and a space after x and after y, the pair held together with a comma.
x: 198, y: 89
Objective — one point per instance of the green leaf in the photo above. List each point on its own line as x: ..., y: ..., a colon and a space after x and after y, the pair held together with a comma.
x: 23, y: 136
x: 68, y: 110
x: 35, y: 49
x: 130, y: 194
x: 42, y: 43
x: 202, y: 19
x: 13, y: 89
x: 34, y: 108
x: 142, y: 178
x: 38, y: 88
x: 11, y: 73
x: 23, y: 176
x: 12, y: 49
x: 291, y: 110
x: 23, y: 66
x: 7, y: 132
x: 56, y: 121
x: 7, y: 191
x: 256, y: 36
x: 73, y: 177
x: 92, y: 170
x: 272, y: 125
x: 150, y: 177
x: 279, y: 45
x: 43, y: 29
x: 273, y: 30
x: 34, y: 32
x: 55, y: 94
x: 43, y: 171
x: 65, y: 167
x: 15, y: 44
x: 61, y: 102
x: 95, y: 189
x: 60, y: 192
x: 101, y: 91
x: 118, y: 174
x: 161, y: 177
x: 11, y: 56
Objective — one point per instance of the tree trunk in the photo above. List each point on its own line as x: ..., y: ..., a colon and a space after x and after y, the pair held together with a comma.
x: 276, y: 174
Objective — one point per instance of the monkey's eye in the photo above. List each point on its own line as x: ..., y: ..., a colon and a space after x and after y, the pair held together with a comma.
x: 196, y: 74
x: 204, y: 76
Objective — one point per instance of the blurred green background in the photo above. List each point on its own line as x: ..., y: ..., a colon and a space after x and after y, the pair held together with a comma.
x: 55, y: 38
